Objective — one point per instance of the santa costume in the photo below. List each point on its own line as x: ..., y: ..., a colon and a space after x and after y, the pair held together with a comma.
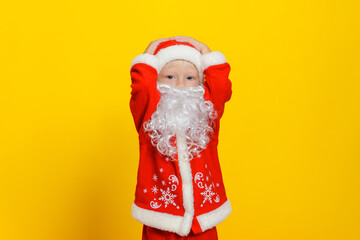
x: 182, y: 193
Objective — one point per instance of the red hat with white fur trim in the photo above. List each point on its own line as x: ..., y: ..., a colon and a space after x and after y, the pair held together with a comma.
x: 171, y: 50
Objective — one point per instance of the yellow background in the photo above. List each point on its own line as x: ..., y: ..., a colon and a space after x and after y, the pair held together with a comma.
x: 289, y: 140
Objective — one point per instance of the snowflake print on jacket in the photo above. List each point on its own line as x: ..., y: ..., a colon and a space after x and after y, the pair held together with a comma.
x: 208, y: 192
x: 167, y: 197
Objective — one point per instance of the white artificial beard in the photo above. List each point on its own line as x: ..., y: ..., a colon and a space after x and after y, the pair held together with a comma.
x: 181, y: 111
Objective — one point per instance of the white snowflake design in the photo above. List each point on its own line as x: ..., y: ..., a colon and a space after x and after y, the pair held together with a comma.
x: 155, y: 189
x: 208, y: 193
x: 167, y: 197
x: 155, y: 177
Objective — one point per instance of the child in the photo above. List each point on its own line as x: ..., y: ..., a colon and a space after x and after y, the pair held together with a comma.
x: 180, y: 192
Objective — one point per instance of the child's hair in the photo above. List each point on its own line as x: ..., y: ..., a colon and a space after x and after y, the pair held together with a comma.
x: 179, y: 61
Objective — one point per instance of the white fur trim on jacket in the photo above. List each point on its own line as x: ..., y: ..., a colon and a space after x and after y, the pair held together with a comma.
x: 147, y: 58
x: 187, y: 186
x: 163, y: 221
x: 213, y: 218
x: 180, y: 224
x: 212, y: 58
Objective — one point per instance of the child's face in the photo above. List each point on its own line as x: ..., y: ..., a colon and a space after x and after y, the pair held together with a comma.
x: 179, y: 74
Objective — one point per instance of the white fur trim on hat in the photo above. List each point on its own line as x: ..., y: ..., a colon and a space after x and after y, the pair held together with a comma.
x: 212, y: 58
x: 147, y: 58
x: 182, y: 52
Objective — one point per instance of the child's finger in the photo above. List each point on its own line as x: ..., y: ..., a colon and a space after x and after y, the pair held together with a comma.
x: 162, y: 40
x: 153, y: 45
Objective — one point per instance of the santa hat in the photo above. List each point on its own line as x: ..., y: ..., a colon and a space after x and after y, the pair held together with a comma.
x: 172, y: 49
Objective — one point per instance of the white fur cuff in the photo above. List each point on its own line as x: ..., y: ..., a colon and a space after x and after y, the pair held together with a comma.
x: 147, y: 58
x: 212, y: 58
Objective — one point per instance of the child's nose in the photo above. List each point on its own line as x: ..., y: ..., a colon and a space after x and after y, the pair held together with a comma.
x: 180, y: 83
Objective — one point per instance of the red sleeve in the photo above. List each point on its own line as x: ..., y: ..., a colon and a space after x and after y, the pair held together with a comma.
x: 217, y: 82
x: 144, y: 93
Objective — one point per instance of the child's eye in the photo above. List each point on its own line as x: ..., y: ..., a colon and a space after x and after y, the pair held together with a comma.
x: 170, y: 76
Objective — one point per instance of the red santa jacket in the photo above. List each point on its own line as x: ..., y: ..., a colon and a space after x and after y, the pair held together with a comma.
x: 178, y: 196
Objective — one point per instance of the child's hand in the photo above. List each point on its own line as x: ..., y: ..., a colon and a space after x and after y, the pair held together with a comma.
x: 199, y: 45
x: 153, y: 45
